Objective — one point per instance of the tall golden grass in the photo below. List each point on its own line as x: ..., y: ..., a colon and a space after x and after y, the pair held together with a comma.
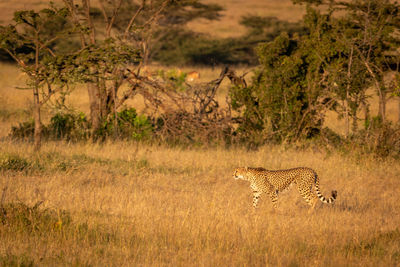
x: 148, y: 205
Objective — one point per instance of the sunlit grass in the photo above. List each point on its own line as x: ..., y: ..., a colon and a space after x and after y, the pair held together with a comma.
x: 159, y: 206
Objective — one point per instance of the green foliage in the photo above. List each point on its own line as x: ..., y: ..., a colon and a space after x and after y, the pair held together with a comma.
x: 127, y: 125
x: 331, y: 67
x: 62, y: 126
x: 45, y: 26
x: 69, y: 126
x: 187, y: 48
x: 282, y: 102
x: 105, y: 57
x: 75, y: 127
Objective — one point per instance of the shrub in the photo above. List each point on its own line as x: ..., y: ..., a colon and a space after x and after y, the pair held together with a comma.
x: 75, y: 126
x: 69, y: 126
x: 63, y: 125
x: 280, y: 105
x: 127, y: 125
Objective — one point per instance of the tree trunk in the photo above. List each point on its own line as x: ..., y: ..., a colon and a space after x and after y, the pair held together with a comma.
x: 346, y: 117
x: 106, y: 99
x: 36, y: 99
x: 94, y: 103
x: 367, y: 117
x: 382, y: 104
x: 354, y: 125
x: 101, y: 104
x: 398, y: 111
x: 38, y: 123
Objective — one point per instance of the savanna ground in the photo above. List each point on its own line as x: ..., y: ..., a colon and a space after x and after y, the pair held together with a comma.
x: 119, y: 203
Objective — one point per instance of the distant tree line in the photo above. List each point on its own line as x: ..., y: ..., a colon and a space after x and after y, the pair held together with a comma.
x: 172, y: 42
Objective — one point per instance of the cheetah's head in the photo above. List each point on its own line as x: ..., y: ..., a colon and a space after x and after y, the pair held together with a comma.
x: 240, y: 173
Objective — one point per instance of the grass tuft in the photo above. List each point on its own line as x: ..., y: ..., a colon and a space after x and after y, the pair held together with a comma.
x: 19, y: 217
x: 14, y: 162
x: 16, y: 261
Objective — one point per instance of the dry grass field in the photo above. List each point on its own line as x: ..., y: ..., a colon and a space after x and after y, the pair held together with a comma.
x: 135, y: 205
x: 130, y: 204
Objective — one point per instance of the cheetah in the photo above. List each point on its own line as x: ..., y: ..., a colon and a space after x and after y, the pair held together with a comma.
x: 273, y: 182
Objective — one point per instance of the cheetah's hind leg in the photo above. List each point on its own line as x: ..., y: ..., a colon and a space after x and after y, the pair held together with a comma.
x: 313, y: 204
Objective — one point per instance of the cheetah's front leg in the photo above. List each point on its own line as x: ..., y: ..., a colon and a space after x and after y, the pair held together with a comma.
x: 256, y: 197
x: 274, y: 198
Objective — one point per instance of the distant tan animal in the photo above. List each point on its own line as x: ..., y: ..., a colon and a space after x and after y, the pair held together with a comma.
x: 146, y: 72
x: 192, y: 76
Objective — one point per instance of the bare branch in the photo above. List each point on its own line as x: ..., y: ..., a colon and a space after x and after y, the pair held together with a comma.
x: 110, y: 21
x: 132, y: 20
x: 86, y: 7
x: 71, y: 6
x: 156, y: 15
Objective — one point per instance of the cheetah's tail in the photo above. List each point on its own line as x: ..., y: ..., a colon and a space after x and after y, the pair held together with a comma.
x: 321, y: 197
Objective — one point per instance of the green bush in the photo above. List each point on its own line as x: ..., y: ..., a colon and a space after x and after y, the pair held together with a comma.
x: 62, y: 126
x: 69, y: 126
x: 280, y: 105
x: 75, y: 126
x: 127, y: 125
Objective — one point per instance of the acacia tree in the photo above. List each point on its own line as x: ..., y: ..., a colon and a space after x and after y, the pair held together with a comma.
x: 368, y: 30
x: 331, y: 67
x: 105, y: 55
x: 134, y: 28
x: 29, y: 42
x: 289, y: 94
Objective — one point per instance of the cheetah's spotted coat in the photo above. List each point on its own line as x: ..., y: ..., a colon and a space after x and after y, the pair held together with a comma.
x: 273, y: 182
